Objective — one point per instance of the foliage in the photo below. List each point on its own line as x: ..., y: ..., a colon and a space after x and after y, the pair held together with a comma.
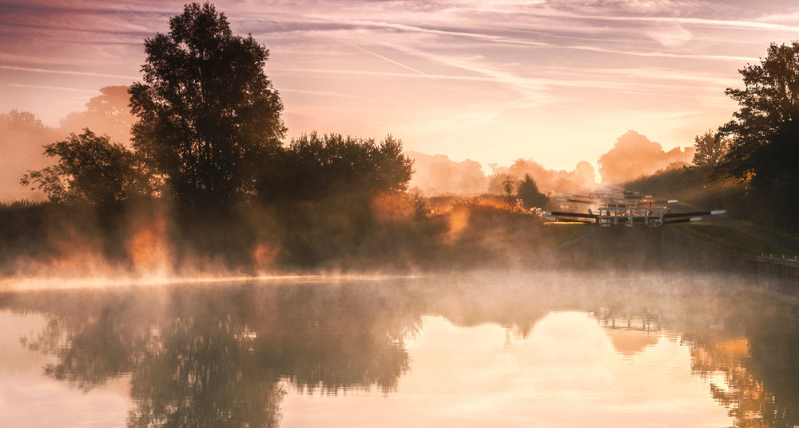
x: 709, y: 149
x: 439, y: 174
x: 765, y: 131
x: 22, y: 136
x: 207, y: 111
x: 107, y: 113
x: 507, y: 186
x: 530, y: 195
x: 769, y: 106
x: 314, y: 166
x: 90, y: 168
x: 548, y: 180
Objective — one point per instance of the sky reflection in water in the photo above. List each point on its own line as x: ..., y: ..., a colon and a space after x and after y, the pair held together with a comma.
x: 474, y: 350
x: 566, y: 372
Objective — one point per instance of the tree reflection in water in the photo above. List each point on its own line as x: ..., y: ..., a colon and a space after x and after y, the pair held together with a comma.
x: 217, y: 356
x: 754, y: 343
x: 225, y: 355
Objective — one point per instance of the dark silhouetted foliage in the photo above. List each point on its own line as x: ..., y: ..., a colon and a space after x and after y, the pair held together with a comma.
x: 530, y: 195
x: 207, y: 111
x: 90, y: 168
x: 314, y: 166
x: 507, y: 187
x: 769, y: 106
x: 764, y: 133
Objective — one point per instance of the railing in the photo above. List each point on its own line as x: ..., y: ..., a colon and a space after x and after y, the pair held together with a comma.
x: 628, y: 215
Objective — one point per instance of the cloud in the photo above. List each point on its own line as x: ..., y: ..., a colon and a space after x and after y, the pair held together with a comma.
x: 671, y: 36
x: 74, y: 73
x: 390, y: 60
x: 458, y: 63
x: 58, y: 88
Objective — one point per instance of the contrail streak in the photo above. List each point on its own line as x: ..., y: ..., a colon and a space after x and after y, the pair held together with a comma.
x: 389, y: 60
x: 74, y: 73
x: 59, y: 88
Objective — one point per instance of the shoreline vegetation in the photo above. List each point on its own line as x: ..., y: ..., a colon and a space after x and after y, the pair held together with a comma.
x: 388, y: 233
x: 208, y: 184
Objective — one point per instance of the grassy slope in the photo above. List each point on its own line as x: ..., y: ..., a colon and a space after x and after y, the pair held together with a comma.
x: 557, y: 234
x: 734, y: 239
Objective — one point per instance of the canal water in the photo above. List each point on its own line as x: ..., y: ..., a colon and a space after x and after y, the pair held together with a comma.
x: 500, y: 349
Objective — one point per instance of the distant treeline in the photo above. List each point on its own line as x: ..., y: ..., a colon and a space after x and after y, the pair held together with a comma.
x: 208, y: 186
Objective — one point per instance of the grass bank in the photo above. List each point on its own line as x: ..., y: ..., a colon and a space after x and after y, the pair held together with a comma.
x: 734, y: 239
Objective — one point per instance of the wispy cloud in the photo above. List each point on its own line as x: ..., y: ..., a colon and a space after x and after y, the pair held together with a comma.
x: 73, y: 73
x: 58, y: 88
x: 498, y: 39
x: 321, y: 93
x: 450, y: 61
x: 747, y: 25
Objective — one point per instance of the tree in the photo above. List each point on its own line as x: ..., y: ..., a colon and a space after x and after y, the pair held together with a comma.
x: 107, y: 113
x: 314, y: 166
x: 769, y: 112
x: 709, y: 149
x: 530, y: 195
x: 764, y: 134
x: 92, y: 169
x: 22, y: 136
x: 207, y: 112
x: 507, y: 186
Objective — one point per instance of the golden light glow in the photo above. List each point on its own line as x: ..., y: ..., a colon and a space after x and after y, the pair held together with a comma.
x: 566, y: 372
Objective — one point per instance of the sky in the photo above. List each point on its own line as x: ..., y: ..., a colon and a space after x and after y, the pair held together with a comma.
x: 557, y: 81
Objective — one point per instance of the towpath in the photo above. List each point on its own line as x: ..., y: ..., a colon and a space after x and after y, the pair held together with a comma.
x: 786, y: 242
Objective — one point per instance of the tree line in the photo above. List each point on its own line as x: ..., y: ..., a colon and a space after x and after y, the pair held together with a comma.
x: 750, y: 163
x: 209, y: 134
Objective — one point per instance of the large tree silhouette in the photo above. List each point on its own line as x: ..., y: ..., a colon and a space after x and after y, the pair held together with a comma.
x: 207, y: 111
x: 769, y: 106
x: 764, y: 133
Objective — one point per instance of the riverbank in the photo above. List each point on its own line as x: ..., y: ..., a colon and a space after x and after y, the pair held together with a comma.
x: 386, y: 233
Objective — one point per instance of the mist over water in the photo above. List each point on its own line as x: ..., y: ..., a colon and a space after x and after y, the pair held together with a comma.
x: 556, y: 347
x: 194, y: 267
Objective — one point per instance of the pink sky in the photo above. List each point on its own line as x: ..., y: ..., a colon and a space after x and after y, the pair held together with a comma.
x: 553, y: 80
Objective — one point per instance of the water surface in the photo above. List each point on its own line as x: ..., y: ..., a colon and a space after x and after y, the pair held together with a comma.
x: 484, y: 349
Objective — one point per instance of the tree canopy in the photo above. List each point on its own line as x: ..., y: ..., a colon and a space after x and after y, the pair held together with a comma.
x: 207, y: 111
x: 530, y: 195
x: 768, y: 114
x: 313, y: 166
x: 92, y: 169
x: 710, y: 150
x: 764, y: 134
x: 107, y: 113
